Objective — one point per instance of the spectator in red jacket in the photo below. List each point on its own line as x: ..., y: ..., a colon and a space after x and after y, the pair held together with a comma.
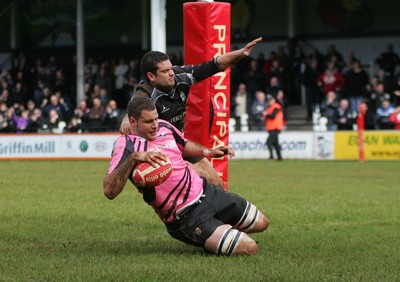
x: 331, y: 79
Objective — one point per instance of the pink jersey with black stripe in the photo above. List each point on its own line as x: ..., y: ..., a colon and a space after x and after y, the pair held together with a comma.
x: 181, y: 189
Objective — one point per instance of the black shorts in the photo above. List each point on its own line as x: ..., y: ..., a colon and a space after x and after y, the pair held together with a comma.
x: 215, y: 208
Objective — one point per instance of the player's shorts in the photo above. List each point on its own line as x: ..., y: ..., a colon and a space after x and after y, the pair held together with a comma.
x: 216, y: 207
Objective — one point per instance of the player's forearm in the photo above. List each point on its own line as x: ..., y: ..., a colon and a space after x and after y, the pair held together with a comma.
x: 194, y: 149
x: 114, y: 183
x: 226, y: 60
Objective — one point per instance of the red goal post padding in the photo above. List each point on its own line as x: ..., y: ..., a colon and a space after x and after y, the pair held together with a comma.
x: 207, y: 35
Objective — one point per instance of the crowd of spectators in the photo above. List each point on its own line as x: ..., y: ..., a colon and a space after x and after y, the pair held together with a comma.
x: 334, y: 86
x: 347, y: 90
x: 40, y: 96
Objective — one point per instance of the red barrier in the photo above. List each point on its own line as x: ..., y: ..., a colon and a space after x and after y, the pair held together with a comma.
x: 207, y: 35
x: 360, y: 131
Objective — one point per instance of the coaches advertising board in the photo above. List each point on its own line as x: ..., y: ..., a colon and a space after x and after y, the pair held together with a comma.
x: 251, y: 145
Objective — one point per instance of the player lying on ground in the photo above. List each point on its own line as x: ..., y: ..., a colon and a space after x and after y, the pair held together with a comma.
x: 193, y: 210
x: 169, y: 86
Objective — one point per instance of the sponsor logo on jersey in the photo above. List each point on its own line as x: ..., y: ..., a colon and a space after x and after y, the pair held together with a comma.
x: 164, y: 109
x: 183, y: 97
x: 177, y: 118
x: 169, y: 144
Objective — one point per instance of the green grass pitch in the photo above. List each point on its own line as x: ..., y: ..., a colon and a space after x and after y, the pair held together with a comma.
x: 330, y: 221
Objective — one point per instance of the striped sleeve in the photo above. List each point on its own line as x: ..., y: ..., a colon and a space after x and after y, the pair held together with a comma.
x: 117, y: 153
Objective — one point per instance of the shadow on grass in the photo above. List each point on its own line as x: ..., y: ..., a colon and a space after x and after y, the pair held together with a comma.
x: 138, y: 247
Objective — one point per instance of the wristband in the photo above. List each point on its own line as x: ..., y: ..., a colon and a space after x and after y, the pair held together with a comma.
x: 206, y: 152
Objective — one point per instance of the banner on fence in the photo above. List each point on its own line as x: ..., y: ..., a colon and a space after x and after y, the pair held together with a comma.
x: 68, y: 146
x: 378, y: 145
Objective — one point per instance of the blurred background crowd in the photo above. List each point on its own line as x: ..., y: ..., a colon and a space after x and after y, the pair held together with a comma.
x: 39, y: 95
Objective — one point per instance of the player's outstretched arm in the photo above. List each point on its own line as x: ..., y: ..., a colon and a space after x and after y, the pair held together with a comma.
x: 226, y: 60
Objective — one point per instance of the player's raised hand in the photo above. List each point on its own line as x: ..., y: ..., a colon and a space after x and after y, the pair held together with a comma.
x: 249, y: 46
x: 226, y: 60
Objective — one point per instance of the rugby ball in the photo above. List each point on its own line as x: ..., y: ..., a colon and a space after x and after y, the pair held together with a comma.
x: 145, y: 175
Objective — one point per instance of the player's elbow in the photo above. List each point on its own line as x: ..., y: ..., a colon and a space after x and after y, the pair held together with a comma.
x: 108, y: 190
x: 109, y: 194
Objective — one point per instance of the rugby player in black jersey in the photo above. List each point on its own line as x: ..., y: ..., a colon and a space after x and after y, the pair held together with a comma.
x: 168, y: 86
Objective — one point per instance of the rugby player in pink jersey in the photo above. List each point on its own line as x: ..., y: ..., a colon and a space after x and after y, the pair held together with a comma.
x: 193, y: 210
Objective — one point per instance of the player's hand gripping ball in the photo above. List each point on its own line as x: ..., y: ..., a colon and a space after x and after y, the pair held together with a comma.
x: 145, y: 175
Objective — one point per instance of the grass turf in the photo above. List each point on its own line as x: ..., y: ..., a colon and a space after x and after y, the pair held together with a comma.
x: 330, y: 221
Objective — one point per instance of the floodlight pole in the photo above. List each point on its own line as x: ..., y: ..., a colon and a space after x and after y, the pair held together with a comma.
x: 158, y: 26
x: 14, y: 28
x: 145, y: 26
x: 80, y: 53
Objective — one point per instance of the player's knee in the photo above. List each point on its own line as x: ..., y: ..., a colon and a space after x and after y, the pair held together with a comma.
x: 246, y: 246
x: 251, y: 248
x: 262, y: 223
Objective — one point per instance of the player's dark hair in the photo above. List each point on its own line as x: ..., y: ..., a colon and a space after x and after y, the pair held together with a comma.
x: 150, y: 60
x: 138, y: 104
